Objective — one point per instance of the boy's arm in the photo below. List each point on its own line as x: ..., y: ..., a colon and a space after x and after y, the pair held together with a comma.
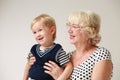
x: 68, y: 67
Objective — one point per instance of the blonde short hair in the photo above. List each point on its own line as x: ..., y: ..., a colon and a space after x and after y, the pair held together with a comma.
x: 88, y: 21
x: 47, y: 21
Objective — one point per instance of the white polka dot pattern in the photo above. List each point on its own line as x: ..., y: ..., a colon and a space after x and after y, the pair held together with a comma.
x: 84, y: 70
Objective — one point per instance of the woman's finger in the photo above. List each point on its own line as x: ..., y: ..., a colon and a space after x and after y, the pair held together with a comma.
x: 48, y: 72
x: 31, y: 60
x: 31, y: 55
x: 53, y: 73
x: 53, y: 64
x: 47, y: 68
x: 49, y: 65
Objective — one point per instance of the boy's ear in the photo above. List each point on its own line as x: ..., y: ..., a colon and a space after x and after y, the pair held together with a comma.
x: 53, y: 30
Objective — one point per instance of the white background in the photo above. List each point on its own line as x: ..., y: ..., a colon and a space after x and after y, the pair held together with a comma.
x: 16, y: 37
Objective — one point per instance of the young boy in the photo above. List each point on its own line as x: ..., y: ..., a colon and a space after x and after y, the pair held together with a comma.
x: 44, y: 30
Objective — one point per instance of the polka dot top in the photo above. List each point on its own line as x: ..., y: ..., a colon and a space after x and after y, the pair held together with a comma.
x: 85, y: 69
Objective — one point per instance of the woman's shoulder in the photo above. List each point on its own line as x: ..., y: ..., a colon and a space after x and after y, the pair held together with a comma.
x: 102, y: 50
x: 103, y: 53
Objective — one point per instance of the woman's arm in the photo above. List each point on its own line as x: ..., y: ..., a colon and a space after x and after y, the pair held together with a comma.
x: 102, y: 70
x: 68, y: 67
x: 30, y: 62
x: 27, y: 67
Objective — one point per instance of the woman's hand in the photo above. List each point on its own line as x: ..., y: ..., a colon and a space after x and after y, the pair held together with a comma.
x: 31, y: 60
x: 53, y: 69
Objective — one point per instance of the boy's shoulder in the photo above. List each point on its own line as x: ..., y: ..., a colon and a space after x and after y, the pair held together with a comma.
x: 34, y: 46
x: 57, y: 44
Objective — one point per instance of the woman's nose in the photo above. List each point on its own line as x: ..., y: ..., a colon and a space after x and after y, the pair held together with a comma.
x: 69, y: 30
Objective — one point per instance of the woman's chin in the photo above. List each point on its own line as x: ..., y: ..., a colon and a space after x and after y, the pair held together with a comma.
x: 72, y: 42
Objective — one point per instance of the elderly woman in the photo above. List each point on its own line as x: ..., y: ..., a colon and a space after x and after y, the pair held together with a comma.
x: 90, y: 61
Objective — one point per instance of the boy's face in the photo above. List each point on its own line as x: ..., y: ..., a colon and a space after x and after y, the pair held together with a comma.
x: 43, y: 34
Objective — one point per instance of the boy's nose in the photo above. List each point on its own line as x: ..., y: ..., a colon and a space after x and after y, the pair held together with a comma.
x: 37, y: 35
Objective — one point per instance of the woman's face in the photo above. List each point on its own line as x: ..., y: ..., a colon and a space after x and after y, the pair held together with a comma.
x: 76, y: 34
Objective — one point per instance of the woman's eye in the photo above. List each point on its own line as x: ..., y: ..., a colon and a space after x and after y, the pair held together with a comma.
x: 34, y: 32
x: 74, y: 26
x: 40, y: 30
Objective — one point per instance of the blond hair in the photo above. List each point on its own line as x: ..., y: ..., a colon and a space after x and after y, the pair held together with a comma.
x: 88, y: 21
x: 47, y: 21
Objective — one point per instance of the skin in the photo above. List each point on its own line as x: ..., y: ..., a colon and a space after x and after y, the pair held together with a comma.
x: 102, y: 70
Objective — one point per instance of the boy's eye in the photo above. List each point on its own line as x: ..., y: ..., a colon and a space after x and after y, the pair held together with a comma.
x: 34, y: 32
